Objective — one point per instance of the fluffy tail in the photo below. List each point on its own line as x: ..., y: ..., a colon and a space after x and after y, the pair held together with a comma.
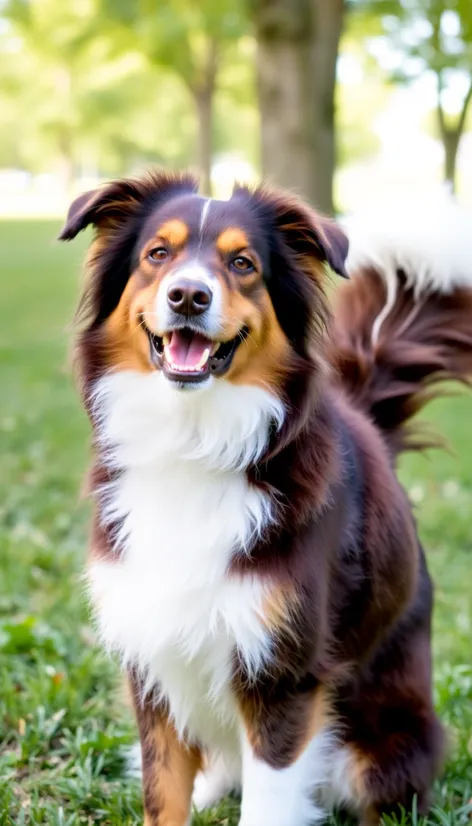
x: 403, y: 323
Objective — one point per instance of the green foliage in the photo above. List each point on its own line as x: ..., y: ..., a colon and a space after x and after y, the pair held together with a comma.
x: 102, y: 87
x: 429, y: 36
x: 421, y: 35
x: 179, y: 33
x: 68, y: 81
x: 64, y: 726
x: 196, y: 41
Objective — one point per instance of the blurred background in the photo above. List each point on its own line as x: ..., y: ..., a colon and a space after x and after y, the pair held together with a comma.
x: 338, y: 99
x: 341, y: 101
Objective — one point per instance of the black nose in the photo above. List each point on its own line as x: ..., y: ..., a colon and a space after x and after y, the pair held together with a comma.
x: 189, y: 297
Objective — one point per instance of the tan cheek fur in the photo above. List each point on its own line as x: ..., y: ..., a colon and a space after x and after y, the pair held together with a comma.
x: 264, y: 357
x: 126, y: 343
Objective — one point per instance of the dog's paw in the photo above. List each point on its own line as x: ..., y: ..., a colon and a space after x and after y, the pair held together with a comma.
x: 213, y: 784
x: 208, y: 791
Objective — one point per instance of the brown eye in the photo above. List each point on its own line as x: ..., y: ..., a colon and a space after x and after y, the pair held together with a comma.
x: 158, y: 254
x: 242, y: 264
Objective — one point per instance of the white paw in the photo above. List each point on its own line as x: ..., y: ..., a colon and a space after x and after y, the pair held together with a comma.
x: 205, y: 793
x: 213, y: 784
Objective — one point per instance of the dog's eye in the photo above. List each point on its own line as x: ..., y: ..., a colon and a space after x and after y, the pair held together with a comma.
x: 242, y: 264
x: 158, y: 254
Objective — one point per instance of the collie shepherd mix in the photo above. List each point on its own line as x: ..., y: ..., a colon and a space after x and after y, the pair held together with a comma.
x: 253, y: 558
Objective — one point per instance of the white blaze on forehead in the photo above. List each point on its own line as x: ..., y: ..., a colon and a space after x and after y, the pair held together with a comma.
x: 194, y: 271
x: 204, y: 215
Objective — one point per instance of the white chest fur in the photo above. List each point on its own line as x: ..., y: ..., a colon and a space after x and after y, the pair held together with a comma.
x: 166, y: 603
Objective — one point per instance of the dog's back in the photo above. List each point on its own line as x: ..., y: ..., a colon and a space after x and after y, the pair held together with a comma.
x: 402, y: 327
x: 403, y: 322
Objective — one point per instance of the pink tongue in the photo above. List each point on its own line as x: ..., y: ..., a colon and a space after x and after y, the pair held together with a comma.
x: 186, y: 349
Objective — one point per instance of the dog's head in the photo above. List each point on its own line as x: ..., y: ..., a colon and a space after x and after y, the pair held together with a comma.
x: 202, y: 289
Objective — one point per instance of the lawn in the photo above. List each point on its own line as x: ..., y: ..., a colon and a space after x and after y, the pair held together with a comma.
x: 64, y: 724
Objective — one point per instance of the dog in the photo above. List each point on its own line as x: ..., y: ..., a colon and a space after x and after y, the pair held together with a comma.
x: 253, y: 558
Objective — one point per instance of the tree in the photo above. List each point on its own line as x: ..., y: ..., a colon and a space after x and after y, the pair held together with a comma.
x: 433, y: 36
x: 92, y: 101
x: 67, y: 79
x: 50, y: 56
x: 190, y: 39
x: 298, y: 44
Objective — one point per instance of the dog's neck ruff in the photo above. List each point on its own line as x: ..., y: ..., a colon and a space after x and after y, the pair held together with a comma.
x: 143, y: 420
x: 179, y: 508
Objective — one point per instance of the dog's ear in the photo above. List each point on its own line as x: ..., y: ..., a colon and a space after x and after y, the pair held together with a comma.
x: 335, y: 245
x: 98, y: 207
x: 117, y: 212
x: 298, y: 242
x: 311, y: 235
x: 80, y: 214
x: 303, y: 232
x: 112, y: 204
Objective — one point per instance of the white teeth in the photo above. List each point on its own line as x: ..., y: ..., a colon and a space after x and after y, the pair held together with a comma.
x: 186, y: 368
x: 205, y: 356
x: 214, y: 348
x: 166, y: 339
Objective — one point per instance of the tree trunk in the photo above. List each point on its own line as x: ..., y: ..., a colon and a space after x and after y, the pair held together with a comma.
x: 325, y: 45
x: 451, y: 140
x: 297, y: 52
x: 204, y: 105
x: 203, y: 88
x: 451, y: 134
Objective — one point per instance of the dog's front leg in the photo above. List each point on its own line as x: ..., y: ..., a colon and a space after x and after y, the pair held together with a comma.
x: 285, y: 752
x: 169, y: 765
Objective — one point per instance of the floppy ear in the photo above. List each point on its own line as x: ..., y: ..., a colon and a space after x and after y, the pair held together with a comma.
x: 298, y: 240
x: 117, y: 211
x: 112, y: 204
x: 335, y: 245
x: 310, y: 235
x: 99, y: 207
x: 83, y: 211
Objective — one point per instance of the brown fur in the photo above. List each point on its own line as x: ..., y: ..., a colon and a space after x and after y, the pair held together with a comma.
x: 351, y: 600
x: 422, y: 343
x: 169, y: 765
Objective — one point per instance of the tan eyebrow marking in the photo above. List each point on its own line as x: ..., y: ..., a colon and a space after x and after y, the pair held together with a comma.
x: 175, y: 232
x: 231, y: 240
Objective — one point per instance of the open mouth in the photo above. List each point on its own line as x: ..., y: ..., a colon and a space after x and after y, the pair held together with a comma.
x: 187, y: 356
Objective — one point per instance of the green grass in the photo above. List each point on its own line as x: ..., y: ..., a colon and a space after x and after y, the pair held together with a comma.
x: 64, y: 725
